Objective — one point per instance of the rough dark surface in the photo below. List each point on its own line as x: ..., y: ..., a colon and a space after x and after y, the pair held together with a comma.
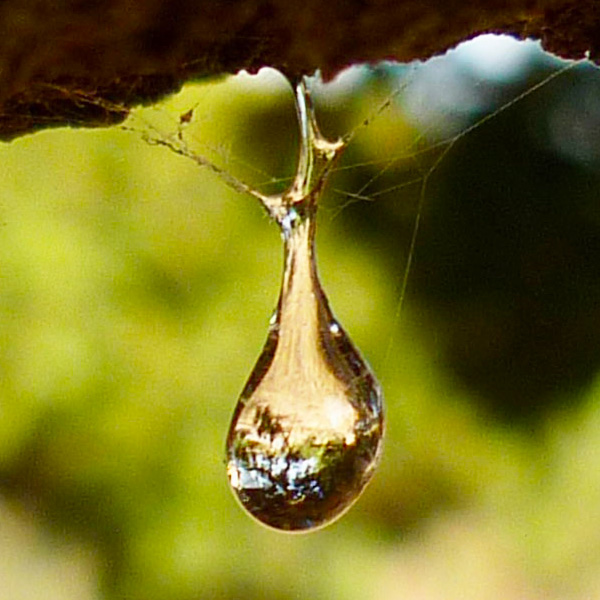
x: 84, y: 62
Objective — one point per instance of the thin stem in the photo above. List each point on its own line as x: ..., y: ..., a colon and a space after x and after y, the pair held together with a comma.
x: 308, y: 131
x: 316, y: 158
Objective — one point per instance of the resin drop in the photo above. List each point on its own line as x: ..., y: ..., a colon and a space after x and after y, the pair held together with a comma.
x: 306, y: 433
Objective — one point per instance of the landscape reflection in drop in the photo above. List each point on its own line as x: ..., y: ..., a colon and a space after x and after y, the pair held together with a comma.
x: 306, y: 433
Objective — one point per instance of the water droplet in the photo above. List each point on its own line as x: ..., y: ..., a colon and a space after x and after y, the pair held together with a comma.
x: 306, y: 433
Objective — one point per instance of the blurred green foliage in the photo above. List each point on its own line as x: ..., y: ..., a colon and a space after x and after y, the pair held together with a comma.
x: 136, y: 291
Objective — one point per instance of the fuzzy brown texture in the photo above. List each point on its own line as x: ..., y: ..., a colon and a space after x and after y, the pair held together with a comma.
x: 85, y: 62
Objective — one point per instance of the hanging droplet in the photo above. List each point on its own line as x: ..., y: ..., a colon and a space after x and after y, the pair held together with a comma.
x: 306, y: 433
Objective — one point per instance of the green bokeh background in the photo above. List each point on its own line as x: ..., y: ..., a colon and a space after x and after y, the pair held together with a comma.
x: 135, y: 291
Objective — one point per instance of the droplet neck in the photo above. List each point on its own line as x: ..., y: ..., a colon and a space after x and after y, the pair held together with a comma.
x: 301, y: 294
x: 317, y: 153
x: 316, y: 159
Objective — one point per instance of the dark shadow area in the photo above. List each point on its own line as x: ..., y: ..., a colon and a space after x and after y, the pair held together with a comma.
x: 507, y: 259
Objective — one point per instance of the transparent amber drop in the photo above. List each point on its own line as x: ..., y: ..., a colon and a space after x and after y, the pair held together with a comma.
x: 306, y: 433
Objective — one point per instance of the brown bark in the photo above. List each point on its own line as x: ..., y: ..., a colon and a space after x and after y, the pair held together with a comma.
x: 83, y: 62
